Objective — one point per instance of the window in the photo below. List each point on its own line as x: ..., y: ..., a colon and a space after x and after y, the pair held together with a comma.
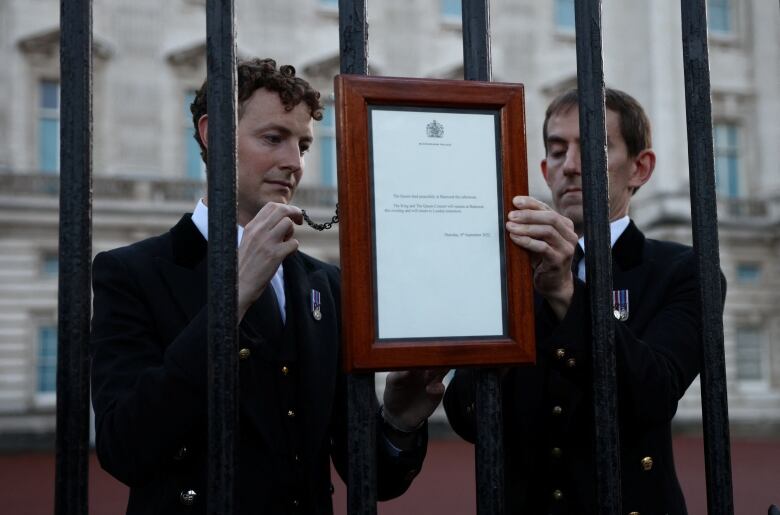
x: 564, y: 15
x: 47, y: 359
x: 719, y: 16
x: 727, y: 179
x: 49, y: 126
x: 326, y: 135
x: 193, y: 164
x: 50, y: 265
x: 750, y: 355
x: 748, y: 273
x: 451, y: 9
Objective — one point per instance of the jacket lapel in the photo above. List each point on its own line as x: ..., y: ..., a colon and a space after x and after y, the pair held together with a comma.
x: 317, y: 343
x: 628, y: 249
x: 186, y: 274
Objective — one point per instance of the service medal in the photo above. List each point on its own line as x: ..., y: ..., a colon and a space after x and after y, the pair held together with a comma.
x: 316, y: 306
x: 620, y: 304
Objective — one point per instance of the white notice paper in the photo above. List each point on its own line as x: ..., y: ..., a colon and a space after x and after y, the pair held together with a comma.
x: 438, y: 227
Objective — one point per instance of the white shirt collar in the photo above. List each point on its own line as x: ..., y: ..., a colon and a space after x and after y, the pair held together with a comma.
x: 200, y: 217
x: 616, y: 229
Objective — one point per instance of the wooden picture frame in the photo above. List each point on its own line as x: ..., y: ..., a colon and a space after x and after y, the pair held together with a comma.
x: 380, y: 120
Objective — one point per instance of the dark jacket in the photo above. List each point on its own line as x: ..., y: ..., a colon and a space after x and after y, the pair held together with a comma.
x: 149, y: 348
x: 548, y: 408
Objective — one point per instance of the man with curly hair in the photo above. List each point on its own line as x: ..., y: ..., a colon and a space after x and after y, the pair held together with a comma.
x: 149, y: 339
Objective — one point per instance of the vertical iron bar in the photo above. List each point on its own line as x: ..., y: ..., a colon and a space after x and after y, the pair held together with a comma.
x: 704, y: 217
x: 222, y: 257
x: 361, y: 418
x: 489, y: 450
x: 72, y: 440
x: 590, y: 84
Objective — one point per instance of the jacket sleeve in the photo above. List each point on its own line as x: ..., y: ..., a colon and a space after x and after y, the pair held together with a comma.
x: 148, y: 395
x: 395, y: 468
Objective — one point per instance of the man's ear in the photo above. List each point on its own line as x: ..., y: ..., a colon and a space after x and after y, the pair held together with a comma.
x: 644, y: 164
x: 203, y: 130
x: 543, y: 166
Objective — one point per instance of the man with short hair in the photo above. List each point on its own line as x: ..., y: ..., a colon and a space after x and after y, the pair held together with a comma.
x: 548, y: 408
x: 149, y: 339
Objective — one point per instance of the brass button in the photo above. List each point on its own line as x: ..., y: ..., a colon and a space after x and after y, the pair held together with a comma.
x: 244, y: 353
x: 557, y: 410
x: 634, y: 513
x: 181, y: 454
x: 295, y: 502
x: 556, y: 452
x: 647, y: 463
x: 187, y: 497
x: 560, y: 353
x: 571, y: 362
x: 296, y: 458
x: 290, y: 413
x: 285, y: 370
x: 557, y: 495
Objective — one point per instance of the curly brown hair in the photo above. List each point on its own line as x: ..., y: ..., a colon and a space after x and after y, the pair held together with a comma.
x: 252, y: 75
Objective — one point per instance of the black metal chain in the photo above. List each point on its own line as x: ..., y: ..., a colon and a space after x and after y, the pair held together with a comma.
x: 323, y: 226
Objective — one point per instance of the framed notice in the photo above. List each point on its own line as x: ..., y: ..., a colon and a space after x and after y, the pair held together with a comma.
x: 427, y: 172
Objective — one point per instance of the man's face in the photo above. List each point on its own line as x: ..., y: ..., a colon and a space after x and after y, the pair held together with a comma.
x: 271, y: 144
x: 563, y: 173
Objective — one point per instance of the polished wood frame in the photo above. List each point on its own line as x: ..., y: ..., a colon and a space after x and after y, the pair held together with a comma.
x: 362, y: 351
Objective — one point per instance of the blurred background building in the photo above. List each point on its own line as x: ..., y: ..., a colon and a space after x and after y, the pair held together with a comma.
x: 149, y: 58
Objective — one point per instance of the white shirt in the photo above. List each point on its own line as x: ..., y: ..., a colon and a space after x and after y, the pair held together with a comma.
x: 200, y: 217
x: 616, y: 229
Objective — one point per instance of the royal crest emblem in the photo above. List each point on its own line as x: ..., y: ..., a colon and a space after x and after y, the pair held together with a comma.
x: 620, y: 304
x: 435, y: 129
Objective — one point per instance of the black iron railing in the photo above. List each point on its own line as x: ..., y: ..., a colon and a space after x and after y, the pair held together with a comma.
x: 75, y: 255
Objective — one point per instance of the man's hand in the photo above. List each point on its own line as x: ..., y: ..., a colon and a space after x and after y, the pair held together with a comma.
x: 411, y: 396
x: 550, y: 239
x: 267, y: 240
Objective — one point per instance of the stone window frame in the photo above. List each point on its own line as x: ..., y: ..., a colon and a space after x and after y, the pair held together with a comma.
x: 41, y: 53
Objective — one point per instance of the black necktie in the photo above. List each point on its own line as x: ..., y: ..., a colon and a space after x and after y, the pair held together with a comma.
x: 264, y: 316
x: 575, y: 260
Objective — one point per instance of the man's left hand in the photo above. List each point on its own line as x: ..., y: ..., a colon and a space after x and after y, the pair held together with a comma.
x: 411, y: 396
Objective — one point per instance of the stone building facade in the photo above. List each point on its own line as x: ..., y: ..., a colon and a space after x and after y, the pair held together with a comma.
x: 149, y: 57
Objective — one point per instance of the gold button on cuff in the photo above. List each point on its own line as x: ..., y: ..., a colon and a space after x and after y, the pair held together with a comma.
x: 647, y: 463
x: 557, y: 410
x: 181, y: 454
x: 187, y: 497
x: 244, y: 353
x: 285, y: 370
x: 290, y: 413
x: 295, y: 502
x: 556, y: 452
x: 560, y: 353
x: 557, y: 495
x: 571, y: 363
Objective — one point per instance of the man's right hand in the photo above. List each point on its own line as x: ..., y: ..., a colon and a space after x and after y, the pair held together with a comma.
x: 267, y: 240
x: 550, y: 239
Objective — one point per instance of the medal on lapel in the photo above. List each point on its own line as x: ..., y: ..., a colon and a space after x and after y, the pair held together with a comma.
x: 620, y: 304
x: 316, y: 310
